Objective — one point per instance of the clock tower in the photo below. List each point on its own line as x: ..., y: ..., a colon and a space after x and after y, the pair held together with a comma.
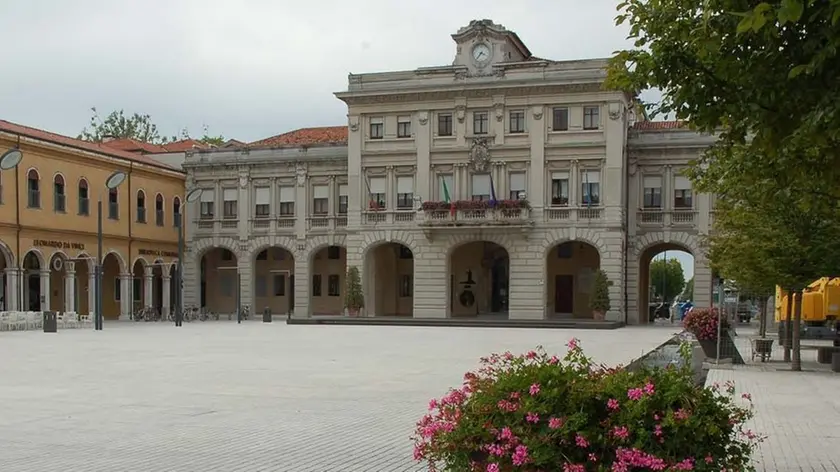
x: 482, y: 44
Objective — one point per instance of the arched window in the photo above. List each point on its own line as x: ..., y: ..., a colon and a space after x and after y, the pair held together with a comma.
x: 84, y: 198
x: 159, y: 210
x: 141, y: 206
x: 114, y: 204
x: 33, y: 183
x: 59, y: 198
x: 176, y: 211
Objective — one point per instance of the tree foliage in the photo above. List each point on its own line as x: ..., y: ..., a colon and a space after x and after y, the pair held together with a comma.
x: 118, y: 125
x: 666, y: 278
x: 600, y: 301
x: 688, y: 291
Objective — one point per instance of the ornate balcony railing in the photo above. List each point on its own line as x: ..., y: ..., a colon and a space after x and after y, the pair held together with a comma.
x: 477, y: 213
x: 376, y: 217
x: 573, y: 214
x: 661, y: 218
x: 319, y: 223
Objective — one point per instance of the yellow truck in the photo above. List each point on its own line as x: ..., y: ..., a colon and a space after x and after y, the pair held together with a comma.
x: 820, y: 309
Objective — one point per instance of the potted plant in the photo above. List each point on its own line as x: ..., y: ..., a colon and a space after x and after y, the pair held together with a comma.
x: 354, y: 300
x: 703, y: 324
x: 600, y: 301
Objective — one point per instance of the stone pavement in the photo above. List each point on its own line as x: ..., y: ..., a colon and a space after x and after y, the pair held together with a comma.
x: 217, y: 396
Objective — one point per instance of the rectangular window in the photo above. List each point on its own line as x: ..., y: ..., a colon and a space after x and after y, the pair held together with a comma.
x: 446, y: 183
x: 287, y: 201
x: 316, y: 285
x: 117, y: 289
x: 591, y: 117
x: 481, y: 186
x: 480, y: 122
x: 516, y: 184
x: 405, y: 192
x: 260, y: 288
x: 334, y: 253
x: 262, y: 202
x: 136, y: 288
x: 226, y: 284
x: 208, y: 203
x: 590, y: 187
x: 141, y: 211
x: 559, y: 188
x: 406, y: 286
x: 683, y: 198
x: 652, y: 197
x: 320, y: 199
x: 376, y: 187
x: 403, y: 126
x: 377, y: 128
x: 333, y: 286
x: 517, y: 121
x: 279, y: 285
x: 560, y: 119
x: 231, y: 205
x: 342, y: 199
x: 444, y: 124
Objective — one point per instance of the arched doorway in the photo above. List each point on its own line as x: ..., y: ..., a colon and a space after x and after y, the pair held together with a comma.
x: 328, y: 269
x: 666, y: 270
x: 389, y: 280
x: 138, y: 286
x: 174, y: 289
x: 58, y: 276
x: 82, y: 285
x: 157, y: 287
x: 112, y: 291
x: 570, y: 269
x: 6, y: 287
x: 479, y: 279
x: 274, y: 280
x: 219, y: 281
x: 32, y: 267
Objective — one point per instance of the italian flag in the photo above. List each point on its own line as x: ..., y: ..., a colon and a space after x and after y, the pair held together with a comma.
x: 447, y: 199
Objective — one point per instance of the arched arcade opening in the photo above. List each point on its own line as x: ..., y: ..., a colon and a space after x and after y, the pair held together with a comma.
x: 58, y: 282
x: 32, y: 287
x: 112, y: 292
x: 479, y: 280
x: 327, y: 269
x: 570, y: 276
x: 666, y: 272
x: 389, y: 280
x: 219, y: 281
x: 274, y: 280
x: 6, y: 262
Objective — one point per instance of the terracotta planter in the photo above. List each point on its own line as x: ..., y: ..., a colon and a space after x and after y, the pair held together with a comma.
x: 598, y: 315
x: 352, y: 312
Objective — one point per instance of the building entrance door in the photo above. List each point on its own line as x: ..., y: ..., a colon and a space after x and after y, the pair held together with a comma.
x: 564, y: 298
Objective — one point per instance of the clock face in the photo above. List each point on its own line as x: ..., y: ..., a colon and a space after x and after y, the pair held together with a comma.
x: 481, y: 52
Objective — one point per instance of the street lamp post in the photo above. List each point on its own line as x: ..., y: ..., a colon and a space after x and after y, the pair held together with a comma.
x: 190, y: 197
x: 113, y: 181
x: 8, y: 161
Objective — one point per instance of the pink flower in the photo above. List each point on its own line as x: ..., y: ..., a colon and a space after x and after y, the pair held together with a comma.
x: 532, y: 418
x: 581, y: 441
x: 506, y: 434
x: 649, y: 389
x: 520, y: 455
x: 531, y: 355
x: 433, y: 403
x: 746, y: 396
x: 681, y: 414
x: 554, y: 360
x: 635, y: 393
x: 621, y: 432
x: 492, y: 467
x: 555, y: 423
x: 573, y: 344
x: 687, y: 464
x: 592, y: 457
x: 534, y: 390
x: 657, y: 431
x: 612, y: 404
x: 495, y: 450
x: 709, y: 459
x: 573, y: 468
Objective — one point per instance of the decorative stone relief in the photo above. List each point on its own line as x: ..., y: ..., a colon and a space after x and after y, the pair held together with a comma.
x: 500, y: 111
x: 300, y: 173
x: 243, y: 181
x: 460, y: 113
x: 423, y: 118
x: 537, y: 112
x: 479, y: 155
x: 354, y: 123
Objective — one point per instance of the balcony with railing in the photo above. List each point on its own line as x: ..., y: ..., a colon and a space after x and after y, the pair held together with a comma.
x: 388, y: 217
x: 325, y: 223
x: 577, y: 215
x: 659, y: 218
x: 469, y: 213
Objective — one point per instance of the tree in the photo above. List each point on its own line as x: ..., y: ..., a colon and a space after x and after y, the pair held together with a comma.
x: 688, y: 291
x: 354, y: 299
x: 667, y: 279
x: 119, y: 126
x: 600, y: 302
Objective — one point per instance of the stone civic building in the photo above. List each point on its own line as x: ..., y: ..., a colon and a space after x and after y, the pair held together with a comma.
x: 496, y: 185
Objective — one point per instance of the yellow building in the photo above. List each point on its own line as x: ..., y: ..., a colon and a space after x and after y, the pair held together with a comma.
x: 48, y: 226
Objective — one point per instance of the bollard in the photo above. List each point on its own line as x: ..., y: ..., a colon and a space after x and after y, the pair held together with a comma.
x: 267, y: 315
x: 835, y: 362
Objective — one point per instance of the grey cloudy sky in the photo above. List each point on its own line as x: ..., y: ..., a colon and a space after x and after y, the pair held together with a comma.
x: 249, y: 68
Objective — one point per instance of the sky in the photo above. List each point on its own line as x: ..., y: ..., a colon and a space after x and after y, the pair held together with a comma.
x: 249, y: 69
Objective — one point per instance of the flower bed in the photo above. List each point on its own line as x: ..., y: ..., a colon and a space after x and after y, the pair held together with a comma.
x: 537, y: 412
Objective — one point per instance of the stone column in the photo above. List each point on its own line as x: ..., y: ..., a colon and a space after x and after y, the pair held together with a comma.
x: 92, y: 293
x: 302, y: 282
x: 536, y: 188
x: 301, y: 202
x: 245, y: 272
x: 70, y: 287
x: 12, y: 289
x: 45, y: 289
x: 148, y: 287
x: 422, y: 139
x: 165, y: 296
x: 126, y: 297
x: 431, y: 281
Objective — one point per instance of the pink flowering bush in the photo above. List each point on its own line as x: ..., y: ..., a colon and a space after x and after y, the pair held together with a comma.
x: 536, y: 412
x: 703, y: 323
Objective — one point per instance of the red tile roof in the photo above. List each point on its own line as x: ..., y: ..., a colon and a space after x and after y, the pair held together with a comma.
x: 134, y: 145
x: 305, y: 136
x: 658, y: 125
x: 98, y: 148
x: 185, y: 145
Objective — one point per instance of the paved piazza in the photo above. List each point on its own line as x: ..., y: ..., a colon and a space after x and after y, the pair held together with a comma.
x: 217, y: 396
